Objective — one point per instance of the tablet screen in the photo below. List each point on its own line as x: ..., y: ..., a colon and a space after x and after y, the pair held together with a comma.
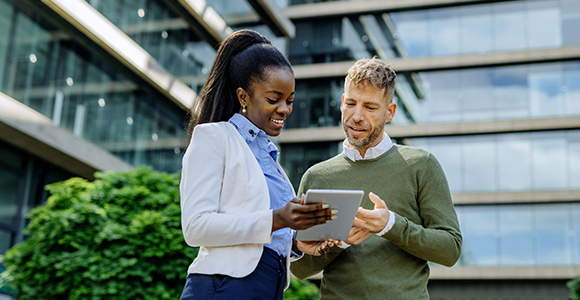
x: 346, y: 202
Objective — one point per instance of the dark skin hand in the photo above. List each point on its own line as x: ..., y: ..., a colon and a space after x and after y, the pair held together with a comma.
x: 299, y: 216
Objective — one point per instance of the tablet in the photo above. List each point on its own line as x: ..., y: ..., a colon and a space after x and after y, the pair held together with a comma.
x: 345, y: 201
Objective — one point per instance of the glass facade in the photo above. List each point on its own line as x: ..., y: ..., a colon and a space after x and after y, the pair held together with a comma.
x: 534, y: 234
x: 297, y: 158
x: 22, y: 181
x: 317, y: 103
x: 165, y: 36
x: 529, y: 91
x: 48, y: 71
x: 484, y: 28
x: 508, y: 162
x: 543, y: 234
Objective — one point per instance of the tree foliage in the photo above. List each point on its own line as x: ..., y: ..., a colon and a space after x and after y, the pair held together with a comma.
x: 301, y: 290
x: 574, y: 286
x: 118, y: 237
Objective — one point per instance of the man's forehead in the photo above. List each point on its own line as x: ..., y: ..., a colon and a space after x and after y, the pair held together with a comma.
x: 366, y: 92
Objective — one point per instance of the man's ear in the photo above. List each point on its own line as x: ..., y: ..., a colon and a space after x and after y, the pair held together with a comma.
x: 391, y: 109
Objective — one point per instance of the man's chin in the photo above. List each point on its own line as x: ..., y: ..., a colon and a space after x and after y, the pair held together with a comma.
x: 357, y: 143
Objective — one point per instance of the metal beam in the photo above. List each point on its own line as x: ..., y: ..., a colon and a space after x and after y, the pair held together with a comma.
x: 328, y: 134
x: 31, y: 131
x: 499, y: 273
x: 345, y: 8
x: 84, y: 18
x: 276, y: 19
x: 339, y: 69
x: 516, y: 197
x: 203, y: 19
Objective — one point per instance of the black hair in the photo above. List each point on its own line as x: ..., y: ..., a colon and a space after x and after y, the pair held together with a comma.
x: 241, y: 59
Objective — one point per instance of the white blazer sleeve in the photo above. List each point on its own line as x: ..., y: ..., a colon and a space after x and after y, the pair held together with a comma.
x: 202, y: 177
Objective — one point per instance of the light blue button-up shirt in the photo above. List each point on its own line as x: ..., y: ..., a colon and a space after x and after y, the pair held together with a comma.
x: 279, y: 189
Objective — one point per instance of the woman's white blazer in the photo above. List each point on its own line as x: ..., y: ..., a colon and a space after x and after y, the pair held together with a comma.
x: 225, y: 205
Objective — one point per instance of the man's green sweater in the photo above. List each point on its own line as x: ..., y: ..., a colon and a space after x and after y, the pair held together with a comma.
x: 394, y: 266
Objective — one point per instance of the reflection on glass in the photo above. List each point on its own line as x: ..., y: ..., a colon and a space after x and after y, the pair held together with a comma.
x: 514, y: 155
x: 471, y: 29
x: 480, y: 235
x: 574, y: 233
x: 520, y: 234
x: 297, y: 158
x: 83, y: 94
x: 5, y: 241
x: 516, y: 243
x: 552, y: 239
x: 499, y: 93
x: 507, y: 162
x: 482, y: 171
x: 9, y: 185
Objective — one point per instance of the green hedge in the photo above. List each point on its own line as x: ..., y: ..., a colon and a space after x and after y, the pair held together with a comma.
x: 117, y: 237
x: 574, y: 286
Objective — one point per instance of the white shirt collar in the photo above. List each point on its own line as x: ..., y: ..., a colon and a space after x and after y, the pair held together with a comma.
x: 373, y: 152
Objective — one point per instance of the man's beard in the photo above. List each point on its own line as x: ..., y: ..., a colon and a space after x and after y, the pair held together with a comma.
x: 364, y: 142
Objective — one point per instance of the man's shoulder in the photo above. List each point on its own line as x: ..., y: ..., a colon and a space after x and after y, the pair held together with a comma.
x: 411, y: 151
x: 328, y: 164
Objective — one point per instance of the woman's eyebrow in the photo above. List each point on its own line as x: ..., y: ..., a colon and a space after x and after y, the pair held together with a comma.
x: 278, y: 92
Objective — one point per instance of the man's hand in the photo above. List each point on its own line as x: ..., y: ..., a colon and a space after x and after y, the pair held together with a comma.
x: 315, y: 247
x: 372, y: 220
x: 356, y: 236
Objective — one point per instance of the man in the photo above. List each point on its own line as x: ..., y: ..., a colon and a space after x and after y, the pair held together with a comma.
x: 408, y: 212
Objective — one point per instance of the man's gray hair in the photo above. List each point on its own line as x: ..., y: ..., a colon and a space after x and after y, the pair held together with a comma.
x: 375, y: 72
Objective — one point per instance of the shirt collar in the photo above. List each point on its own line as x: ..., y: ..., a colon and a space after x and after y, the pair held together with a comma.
x: 247, y: 129
x: 251, y: 132
x: 373, y: 152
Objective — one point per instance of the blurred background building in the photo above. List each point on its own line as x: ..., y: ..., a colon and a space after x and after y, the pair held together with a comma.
x: 492, y: 88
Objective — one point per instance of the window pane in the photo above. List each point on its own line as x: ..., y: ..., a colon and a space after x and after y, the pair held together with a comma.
x: 516, y: 241
x: 479, y: 164
x: 514, y: 162
x: 9, y: 184
x: 478, y: 226
x: 6, y: 240
x: 552, y: 241
x: 549, y: 161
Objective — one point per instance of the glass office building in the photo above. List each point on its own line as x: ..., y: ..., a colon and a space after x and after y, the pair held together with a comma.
x: 491, y: 88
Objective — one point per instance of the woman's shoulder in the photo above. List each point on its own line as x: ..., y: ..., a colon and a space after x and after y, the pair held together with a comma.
x: 215, y: 131
x: 213, y: 128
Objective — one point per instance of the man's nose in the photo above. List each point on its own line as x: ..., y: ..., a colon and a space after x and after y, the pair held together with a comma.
x: 358, y: 114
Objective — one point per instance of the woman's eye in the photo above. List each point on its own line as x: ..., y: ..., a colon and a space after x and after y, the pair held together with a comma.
x: 272, y: 101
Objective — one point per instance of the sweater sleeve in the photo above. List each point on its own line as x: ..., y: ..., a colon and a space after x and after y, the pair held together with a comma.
x: 201, y: 184
x: 438, y: 239
x: 310, y: 265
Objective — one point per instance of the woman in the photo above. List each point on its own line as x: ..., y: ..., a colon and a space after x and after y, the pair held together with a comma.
x: 235, y: 198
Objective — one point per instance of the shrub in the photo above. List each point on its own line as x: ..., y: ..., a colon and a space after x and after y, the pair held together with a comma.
x: 118, y: 237
x: 574, y: 286
x: 301, y: 290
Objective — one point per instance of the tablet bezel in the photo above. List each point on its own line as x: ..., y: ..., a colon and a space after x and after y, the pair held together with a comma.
x: 346, y: 202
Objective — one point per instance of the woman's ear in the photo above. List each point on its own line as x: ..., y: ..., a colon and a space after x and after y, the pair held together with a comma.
x: 242, y: 96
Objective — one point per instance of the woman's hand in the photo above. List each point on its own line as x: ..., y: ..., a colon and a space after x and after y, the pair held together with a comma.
x: 301, y: 216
